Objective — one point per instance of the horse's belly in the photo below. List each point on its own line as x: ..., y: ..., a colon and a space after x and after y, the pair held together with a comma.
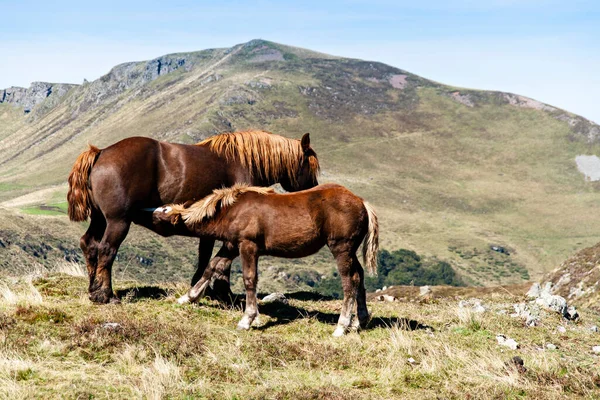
x: 294, y: 247
x: 144, y: 218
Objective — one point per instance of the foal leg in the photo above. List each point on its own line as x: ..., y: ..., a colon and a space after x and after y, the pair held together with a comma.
x: 101, y: 283
x: 249, y: 254
x: 350, y: 282
x: 225, y: 256
x: 361, y: 298
x: 219, y: 287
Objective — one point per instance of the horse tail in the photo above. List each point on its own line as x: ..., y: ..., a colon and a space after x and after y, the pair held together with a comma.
x: 371, y: 241
x: 80, y: 191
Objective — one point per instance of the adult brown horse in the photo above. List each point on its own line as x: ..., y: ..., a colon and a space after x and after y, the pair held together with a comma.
x: 113, y: 185
x: 256, y: 221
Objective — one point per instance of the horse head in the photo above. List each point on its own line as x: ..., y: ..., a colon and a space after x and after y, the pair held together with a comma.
x: 308, y: 170
x: 167, y: 221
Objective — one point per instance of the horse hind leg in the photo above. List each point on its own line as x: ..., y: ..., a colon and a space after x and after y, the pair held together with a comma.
x: 89, y: 243
x: 350, y: 283
x: 362, y: 312
x: 100, y: 290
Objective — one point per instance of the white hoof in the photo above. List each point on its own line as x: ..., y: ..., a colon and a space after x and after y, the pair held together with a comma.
x: 339, y: 331
x: 185, y: 299
x: 243, y: 326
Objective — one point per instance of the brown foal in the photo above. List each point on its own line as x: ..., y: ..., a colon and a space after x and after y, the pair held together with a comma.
x: 256, y: 221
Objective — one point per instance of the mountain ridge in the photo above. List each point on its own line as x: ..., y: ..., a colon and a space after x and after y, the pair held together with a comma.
x: 168, y: 63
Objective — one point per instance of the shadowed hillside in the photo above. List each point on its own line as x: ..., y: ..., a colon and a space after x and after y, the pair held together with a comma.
x: 453, y: 173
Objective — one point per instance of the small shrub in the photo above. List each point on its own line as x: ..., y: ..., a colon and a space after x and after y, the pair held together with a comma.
x: 400, y: 267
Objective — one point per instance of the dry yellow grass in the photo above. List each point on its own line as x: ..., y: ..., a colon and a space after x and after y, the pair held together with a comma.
x: 63, y: 346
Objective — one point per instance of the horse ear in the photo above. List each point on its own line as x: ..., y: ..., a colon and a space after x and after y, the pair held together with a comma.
x: 305, y: 141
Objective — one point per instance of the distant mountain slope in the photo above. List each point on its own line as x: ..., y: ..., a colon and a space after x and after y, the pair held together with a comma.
x: 453, y: 172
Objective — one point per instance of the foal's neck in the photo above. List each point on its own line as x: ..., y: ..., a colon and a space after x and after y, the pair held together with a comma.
x: 214, y: 228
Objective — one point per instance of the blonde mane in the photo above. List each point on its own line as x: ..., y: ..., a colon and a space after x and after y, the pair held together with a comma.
x: 267, y: 155
x: 220, y: 198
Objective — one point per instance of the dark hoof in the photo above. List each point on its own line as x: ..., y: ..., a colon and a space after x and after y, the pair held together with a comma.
x: 100, y: 297
x: 221, y: 293
x: 365, y: 321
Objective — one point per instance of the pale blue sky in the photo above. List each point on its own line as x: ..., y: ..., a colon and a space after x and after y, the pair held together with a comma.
x: 544, y: 49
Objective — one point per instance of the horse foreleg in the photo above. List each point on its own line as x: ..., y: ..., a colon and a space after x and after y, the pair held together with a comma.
x: 350, y: 282
x: 199, y: 288
x: 212, y: 274
x: 219, y: 287
x: 249, y: 254
x: 205, y: 248
x: 101, y: 282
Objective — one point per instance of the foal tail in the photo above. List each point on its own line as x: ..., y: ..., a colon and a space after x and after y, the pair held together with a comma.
x: 371, y: 241
x: 80, y: 192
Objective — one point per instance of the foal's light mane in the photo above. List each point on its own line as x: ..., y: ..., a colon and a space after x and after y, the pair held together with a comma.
x: 268, y: 155
x: 220, y: 198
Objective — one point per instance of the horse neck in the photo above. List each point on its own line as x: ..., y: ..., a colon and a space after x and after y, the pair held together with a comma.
x: 242, y: 175
x: 212, y: 227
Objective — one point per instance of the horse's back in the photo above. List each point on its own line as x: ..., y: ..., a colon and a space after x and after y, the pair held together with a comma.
x: 127, y: 151
x: 140, y: 172
x: 332, y: 195
x: 340, y: 212
x: 329, y: 207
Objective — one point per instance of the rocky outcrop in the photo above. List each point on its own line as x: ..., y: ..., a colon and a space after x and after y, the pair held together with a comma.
x: 546, y: 298
x: 581, y: 128
x: 525, y: 102
x: 462, y: 99
x: 131, y: 75
x: 38, y: 92
x: 578, y: 277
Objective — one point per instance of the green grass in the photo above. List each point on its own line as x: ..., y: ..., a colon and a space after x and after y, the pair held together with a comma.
x: 8, y: 187
x: 47, y: 209
x: 56, y: 344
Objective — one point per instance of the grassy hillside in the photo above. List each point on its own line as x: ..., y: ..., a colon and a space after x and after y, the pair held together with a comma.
x: 55, y: 343
x: 451, y: 171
